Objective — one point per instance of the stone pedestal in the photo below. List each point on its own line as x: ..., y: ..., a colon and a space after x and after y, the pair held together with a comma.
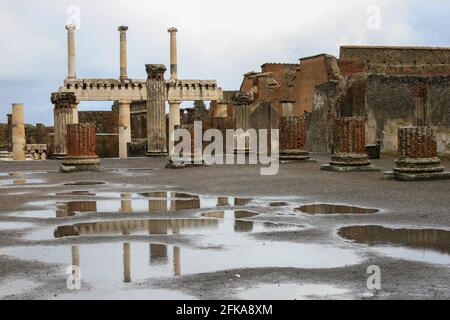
x: 81, y: 155
x: 293, y: 135
x: 156, y: 114
x: 417, y: 149
x: 349, y: 142
x: 64, y: 114
x: 18, y: 132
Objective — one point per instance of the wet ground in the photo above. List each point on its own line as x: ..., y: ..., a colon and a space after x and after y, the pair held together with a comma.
x: 140, y: 231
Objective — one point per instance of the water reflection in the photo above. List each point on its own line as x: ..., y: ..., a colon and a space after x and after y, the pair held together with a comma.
x: 431, y: 239
x: 334, y: 209
x: 134, y: 227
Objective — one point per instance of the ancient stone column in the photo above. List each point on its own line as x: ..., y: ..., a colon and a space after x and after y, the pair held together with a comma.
x: 124, y: 128
x: 81, y: 155
x: 71, y: 72
x: 174, y: 122
x: 173, y: 53
x: 419, y: 93
x: 418, y: 160
x: 9, y: 132
x: 156, y: 114
x: 18, y: 132
x: 123, y: 52
x: 242, y: 121
x: 293, y: 136
x: 349, y: 141
x: 64, y: 102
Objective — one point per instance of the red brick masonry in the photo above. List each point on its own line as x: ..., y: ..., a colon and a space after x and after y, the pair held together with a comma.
x: 81, y: 140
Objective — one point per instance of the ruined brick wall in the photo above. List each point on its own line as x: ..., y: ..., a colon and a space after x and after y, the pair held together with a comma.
x: 390, y: 105
x: 138, y: 117
x: 105, y: 121
x: 3, y: 136
x: 312, y: 72
x: 320, y: 121
x: 397, y: 55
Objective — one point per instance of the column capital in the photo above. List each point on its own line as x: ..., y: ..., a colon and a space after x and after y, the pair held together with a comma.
x: 155, y: 69
x: 71, y: 27
x: 123, y: 28
x: 64, y: 99
x: 242, y: 98
x: 173, y: 29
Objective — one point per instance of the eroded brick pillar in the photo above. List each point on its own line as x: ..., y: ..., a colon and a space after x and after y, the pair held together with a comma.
x: 81, y: 155
x: 293, y: 136
x: 418, y: 160
x: 349, y: 146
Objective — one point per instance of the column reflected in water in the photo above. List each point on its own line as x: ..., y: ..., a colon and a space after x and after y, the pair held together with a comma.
x: 126, y: 263
x: 125, y: 203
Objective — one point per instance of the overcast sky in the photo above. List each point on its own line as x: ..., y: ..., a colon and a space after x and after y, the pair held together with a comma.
x: 217, y: 39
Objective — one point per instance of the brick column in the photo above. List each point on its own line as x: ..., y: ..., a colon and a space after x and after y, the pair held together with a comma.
x: 81, y: 155
x: 293, y: 135
x: 349, y: 150
x: 418, y: 160
x: 156, y: 110
x: 65, y: 104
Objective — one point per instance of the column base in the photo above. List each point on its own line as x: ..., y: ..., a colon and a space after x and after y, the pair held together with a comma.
x: 399, y: 176
x: 415, y: 169
x: 156, y: 154
x: 336, y: 168
x: 59, y: 156
x: 77, y: 164
x: 179, y: 163
x: 295, y: 155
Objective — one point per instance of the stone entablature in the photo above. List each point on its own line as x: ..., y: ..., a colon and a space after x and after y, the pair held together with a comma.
x: 136, y: 90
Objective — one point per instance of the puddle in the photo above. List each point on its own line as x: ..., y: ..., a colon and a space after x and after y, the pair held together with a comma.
x: 291, y: 291
x: 84, y: 183
x: 108, y: 265
x: 115, y: 202
x: 429, y: 245
x: 239, y: 214
x: 15, y: 182
x: 226, y: 222
x: 278, y: 204
x: 334, y: 209
x: 75, y: 193
x: 15, y: 225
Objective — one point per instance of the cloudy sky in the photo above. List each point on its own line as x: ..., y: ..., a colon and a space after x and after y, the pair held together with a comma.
x: 217, y: 39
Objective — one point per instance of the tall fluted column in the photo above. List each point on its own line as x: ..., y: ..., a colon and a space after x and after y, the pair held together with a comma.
x: 124, y: 128
x: 123, y: 52
x: 18, y: 132
x: 71, y: 72
x: 173, y: 53
x: 64, y: 102
x: 156, y: 110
